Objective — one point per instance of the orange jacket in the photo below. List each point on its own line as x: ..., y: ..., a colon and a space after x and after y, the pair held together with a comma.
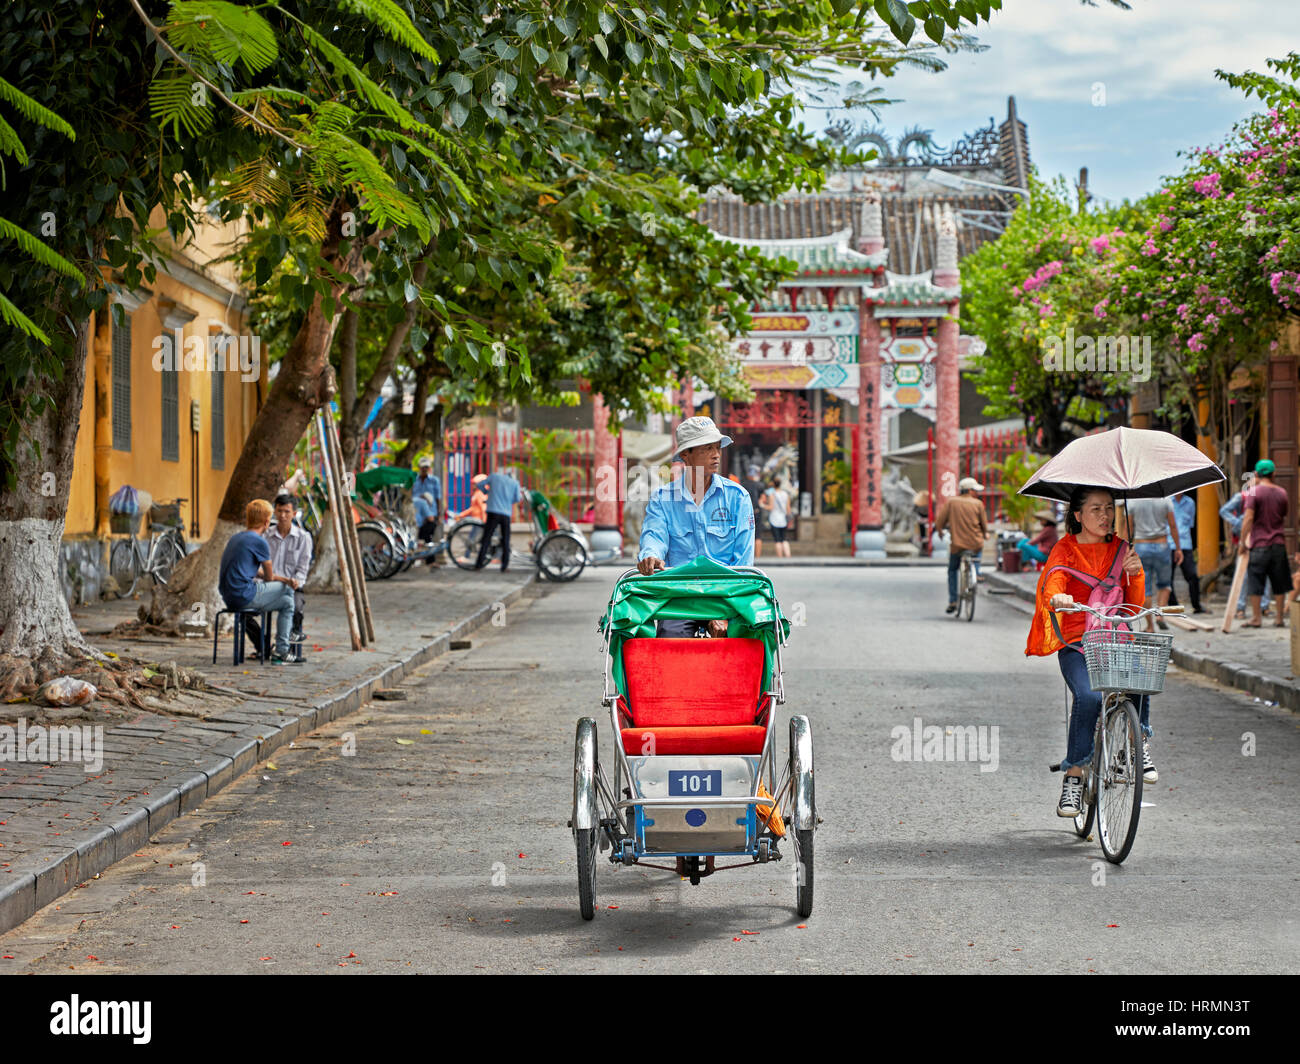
x: 1091, y: 558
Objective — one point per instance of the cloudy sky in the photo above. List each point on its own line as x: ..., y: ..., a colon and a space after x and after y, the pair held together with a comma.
x: 1155, y: 65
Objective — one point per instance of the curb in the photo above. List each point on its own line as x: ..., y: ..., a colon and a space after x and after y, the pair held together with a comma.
x: 1229, y: 673
x: 107, y: 843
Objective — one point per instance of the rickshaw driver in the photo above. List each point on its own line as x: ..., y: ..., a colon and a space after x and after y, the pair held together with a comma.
x: 701, y: 512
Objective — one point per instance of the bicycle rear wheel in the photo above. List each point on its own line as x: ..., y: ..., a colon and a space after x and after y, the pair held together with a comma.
x: 124, y: 566
x: 968, y: 574
x: 1118, y: 780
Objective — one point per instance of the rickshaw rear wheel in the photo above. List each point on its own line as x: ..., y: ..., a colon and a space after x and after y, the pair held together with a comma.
x: 586, y: 841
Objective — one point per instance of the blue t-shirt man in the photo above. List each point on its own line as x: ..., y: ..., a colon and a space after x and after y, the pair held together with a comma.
x: 240, y: 563
x: 503, y: 491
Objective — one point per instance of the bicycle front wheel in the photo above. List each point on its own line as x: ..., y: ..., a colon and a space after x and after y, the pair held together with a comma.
x: 463, y: 544
x: 1119, y: 780
x: 166, y: 555
x: 124, y: 566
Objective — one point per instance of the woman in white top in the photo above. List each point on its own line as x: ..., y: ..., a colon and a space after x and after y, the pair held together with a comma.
x: 777, y: 504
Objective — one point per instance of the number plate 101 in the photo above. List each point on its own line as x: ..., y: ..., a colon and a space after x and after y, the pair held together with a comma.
x: 693, y: 783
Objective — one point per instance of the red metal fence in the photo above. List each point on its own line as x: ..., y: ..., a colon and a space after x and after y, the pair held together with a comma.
x: 554, y: 470
x: 982, y: 453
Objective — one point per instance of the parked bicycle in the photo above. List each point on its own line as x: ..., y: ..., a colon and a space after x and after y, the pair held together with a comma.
x: 129, y: 560
x: 1122, y: 665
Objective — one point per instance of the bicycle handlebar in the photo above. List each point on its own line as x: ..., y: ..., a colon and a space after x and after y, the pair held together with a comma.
x: 1129, y: 612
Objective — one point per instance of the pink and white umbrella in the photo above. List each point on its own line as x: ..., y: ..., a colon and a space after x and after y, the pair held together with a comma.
x: 1133, y: 463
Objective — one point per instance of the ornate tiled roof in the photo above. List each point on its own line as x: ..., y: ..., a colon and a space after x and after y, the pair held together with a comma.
x: 910, y: 228
x: 911, y: 290
x: 819, y: 256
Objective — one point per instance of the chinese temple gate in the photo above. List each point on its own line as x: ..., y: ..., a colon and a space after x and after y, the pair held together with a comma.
x: 867, y: 329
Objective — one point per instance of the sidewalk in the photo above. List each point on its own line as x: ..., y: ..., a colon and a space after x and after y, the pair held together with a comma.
x: 1254, y: 660
x: 61, y: 825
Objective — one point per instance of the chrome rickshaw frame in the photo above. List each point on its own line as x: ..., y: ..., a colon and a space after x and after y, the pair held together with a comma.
x: 612, y: 815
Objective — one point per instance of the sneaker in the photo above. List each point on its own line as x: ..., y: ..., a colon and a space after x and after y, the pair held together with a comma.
x: 1149, y: 773
x: 1071, y: 797
x: 277, y: 659
x: 952, y: 608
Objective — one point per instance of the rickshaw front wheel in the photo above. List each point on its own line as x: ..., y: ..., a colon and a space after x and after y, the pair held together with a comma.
x: 586, y: 841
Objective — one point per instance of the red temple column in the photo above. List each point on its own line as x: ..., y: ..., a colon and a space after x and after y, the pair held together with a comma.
x: 869, y: 536
x: 610, y: 484
x: 948, y: 418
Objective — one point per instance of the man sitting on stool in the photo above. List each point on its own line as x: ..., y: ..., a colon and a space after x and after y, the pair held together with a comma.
x: 700, y: 512
x: 246, y: 556
x: 290, y: 557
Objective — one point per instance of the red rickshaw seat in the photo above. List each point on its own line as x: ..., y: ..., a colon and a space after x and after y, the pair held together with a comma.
x: 696, y: 696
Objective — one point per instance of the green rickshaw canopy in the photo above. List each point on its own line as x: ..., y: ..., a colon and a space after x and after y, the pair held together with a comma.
x: 372, y: 480
x: 699, y: 590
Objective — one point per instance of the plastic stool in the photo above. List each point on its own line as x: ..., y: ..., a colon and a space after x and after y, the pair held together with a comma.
x: 237, y: 658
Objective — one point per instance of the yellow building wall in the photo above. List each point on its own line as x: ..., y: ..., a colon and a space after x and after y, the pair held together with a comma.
x: 189, y: 285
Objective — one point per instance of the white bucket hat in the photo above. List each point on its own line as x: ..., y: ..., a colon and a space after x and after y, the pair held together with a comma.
x: 695, y: 431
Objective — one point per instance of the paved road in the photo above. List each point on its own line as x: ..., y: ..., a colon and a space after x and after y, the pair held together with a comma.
x: 440, y: 845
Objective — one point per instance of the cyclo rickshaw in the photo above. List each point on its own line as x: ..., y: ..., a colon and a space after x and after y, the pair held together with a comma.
x: 694, y: 759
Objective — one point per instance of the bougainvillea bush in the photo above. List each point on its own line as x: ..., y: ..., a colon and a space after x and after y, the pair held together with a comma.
x: 1044, y: 285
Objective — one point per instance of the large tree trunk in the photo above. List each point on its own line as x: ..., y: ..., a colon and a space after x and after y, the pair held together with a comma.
x: 33, y: 611
x: 304, y: 384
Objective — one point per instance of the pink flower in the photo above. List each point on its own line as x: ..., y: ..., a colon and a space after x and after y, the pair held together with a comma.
x: 1099, y: 244
x: 1208, y: 185
x: 1165, y: 224
x: 1149, y: 248
x: 1196, y: 342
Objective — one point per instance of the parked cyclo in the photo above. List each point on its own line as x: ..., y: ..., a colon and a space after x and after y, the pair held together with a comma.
x: 694, y: 774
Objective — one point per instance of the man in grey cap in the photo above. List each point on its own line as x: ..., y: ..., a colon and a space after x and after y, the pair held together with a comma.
x: 699, y: 513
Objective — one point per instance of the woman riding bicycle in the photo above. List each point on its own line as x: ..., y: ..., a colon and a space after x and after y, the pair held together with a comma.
x: 1090, y: 547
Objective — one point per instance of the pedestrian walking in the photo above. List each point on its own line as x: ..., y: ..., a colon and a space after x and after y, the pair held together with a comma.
x: 503, y: 492
x: 1185, y: 518
x: 1154, y: 524
x: 775, y: 502
x: 1234, y: 511
x: 1263, y: 535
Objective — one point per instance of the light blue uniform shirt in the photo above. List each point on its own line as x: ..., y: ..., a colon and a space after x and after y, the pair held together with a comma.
x: 676, y: 530
x: 503, y: 491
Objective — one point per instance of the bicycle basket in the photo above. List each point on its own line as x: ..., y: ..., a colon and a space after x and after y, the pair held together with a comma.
x: 165, y: 515
x: 1120, y: 660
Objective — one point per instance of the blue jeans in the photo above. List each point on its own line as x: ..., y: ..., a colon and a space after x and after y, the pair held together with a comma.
x: 1157, y: 566
x: 1087, y: 705
x: 954, y: 565
x: 1029, y: 552
x: 279, y: 598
